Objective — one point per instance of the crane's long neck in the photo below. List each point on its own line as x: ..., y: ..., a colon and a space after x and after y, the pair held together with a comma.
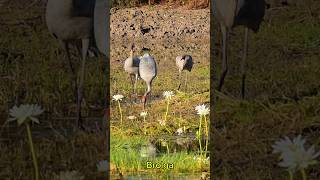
x: 131, y: 54
x: 131, y: 58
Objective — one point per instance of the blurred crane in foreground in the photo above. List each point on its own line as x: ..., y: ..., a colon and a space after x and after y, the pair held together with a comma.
x: 71, y: 21
x: 231, y: 13
x: 184, y: 62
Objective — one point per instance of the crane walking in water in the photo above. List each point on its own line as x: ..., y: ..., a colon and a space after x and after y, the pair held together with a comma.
x: 131, y: 66
x: 231, y: 13
x: 184, y: 62
x: 147, y: 71
x: 72, y: 20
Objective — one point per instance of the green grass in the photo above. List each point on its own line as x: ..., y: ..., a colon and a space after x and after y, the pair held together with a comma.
x: 125, y: 155
x: 282, y: 95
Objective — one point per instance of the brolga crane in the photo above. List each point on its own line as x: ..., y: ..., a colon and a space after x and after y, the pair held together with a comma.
x: 72, y: 20
x: 131, y: 66
x: 184, y: 62
x: 147, y: 71
x: 231, y: 13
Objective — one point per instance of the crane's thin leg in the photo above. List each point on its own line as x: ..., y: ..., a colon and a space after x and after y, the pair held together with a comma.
x: 79, y: 48
x: 145, y: 96
x: 74, y: 75
x: 243, y: 63
x: 85, y: 46
x: 224, y: 56
x: 185, y: 81
x: 132, y: 83
x: 179, y: 80
x: 135, y: 84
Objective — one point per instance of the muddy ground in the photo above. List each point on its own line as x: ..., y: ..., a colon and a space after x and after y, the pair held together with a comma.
x: 159, y: 23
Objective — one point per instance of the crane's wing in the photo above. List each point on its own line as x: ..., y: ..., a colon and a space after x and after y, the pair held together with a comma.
x: 83, y: 7
x: 225, y: 11
x: 101, y: 28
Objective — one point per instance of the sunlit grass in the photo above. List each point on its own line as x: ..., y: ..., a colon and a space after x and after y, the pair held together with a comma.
x: 125, y: 155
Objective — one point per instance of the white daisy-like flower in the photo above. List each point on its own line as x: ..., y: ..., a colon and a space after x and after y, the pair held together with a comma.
x: 202, y: 110
x: 24, y: 113
x: 168, y: 94
x: 70, y: 175
x: 179, y: 131
x: 162, y: 122
x: 202, y: 159
x: 132, y: 117
x: 144, y: 114
x: 293, y: 153
x: 117, y: 97
x: 102, y: 166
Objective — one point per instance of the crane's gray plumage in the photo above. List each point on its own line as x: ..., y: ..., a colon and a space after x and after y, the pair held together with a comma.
x: 131, y: 66
x: 101, y: 25
x: 231, y: 13
x: 184, y: 62
x: 147, y: 71
x: 73, y: 20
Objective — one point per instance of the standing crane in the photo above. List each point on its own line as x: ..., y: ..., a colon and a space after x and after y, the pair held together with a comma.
x: 147, y: 71
x: 231, y: 13
x: 184, y: 62
x: 72, y: 20
x: 131, y: 66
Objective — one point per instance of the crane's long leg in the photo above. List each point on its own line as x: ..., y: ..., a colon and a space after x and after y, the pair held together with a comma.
x: 135, y: 84
x: 179, y: 80
x: 74, y: 75
x: 145, y: 96
x: 85, y: 46
x: 243, y: 63
x: 132, y: 83
x: 224, y: 56
x: 185, y: 81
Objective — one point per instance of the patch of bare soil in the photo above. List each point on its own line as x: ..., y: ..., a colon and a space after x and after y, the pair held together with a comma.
x: 159, y: 23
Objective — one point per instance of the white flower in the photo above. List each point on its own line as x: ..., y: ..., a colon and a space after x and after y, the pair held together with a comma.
x: 168, y: 94
x: 202, y: 110
x: 202, y: 159
x: 24, y: 113
x: 162, y: 122
x: 143, y: 114
x: 179, y: 131
x: 132, y: 117
x: 293, y: 153
x: 102, y: 166
x: 117, y: 97
x: 70, y: 175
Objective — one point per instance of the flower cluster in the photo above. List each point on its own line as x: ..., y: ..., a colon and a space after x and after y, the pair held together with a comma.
x: 168, y: 94
x: 24, y: 113
x: 117, y: 97
x: 202, y: 110
x: 293, y: 153
x: 143, y: 114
